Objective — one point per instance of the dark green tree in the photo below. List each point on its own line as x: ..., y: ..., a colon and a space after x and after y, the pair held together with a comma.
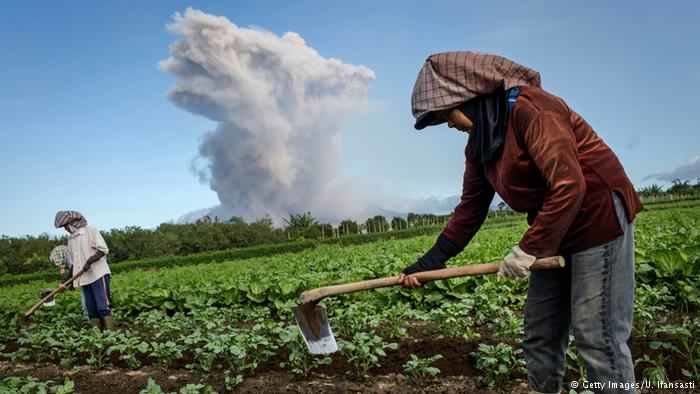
x: 398, y: 223
x: 679, y: 187
x: 347, y: 227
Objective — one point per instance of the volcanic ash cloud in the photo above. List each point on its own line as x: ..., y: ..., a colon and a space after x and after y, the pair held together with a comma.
x: 279, y: 107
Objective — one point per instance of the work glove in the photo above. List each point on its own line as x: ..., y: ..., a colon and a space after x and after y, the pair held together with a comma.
x: 435, y: 258
x: 516, y: 265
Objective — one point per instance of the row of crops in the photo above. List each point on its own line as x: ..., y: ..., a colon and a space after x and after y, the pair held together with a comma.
x: 507, y: 220
x: 234, y: 320
x: 228, y: 255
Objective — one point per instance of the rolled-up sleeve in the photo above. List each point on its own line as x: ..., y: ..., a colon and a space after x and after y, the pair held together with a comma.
x: 470, y: 213
x: 551, y: 144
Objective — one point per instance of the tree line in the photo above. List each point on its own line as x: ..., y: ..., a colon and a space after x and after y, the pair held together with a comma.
x: 678, y: 187
x: 30, y: 253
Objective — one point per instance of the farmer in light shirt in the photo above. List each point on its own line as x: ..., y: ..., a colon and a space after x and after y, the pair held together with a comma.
x: 60, y: 256
x: 88, y: 251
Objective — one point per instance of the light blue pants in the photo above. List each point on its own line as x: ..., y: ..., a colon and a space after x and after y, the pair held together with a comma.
x: 593, y: 297
x: 82, y: 304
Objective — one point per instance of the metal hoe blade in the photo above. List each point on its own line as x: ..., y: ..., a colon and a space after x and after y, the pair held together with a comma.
x: 313, y: 325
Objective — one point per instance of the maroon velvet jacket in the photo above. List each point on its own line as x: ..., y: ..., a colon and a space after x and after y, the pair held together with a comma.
x: 555, y: 168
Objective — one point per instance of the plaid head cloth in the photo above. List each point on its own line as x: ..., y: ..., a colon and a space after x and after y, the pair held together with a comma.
x: 449, y: 79
x: 68, y: 217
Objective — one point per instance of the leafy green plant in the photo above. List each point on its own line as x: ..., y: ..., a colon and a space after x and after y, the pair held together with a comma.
x: 353, y: 318
x: 393, y: 321
x: 231, y: 381
x: 656, y: 367
x: 689, y: 290
x: 67, y: 387
x: 507, y: 324
x: 30, y: 385
x: 365, y: 350
x: 197, y: 389
x: 97, y: 344
x: 154, y: 388
x: 129, y: 348
x: 151, y: 388
x: 299, y: 361
x: 24, y: 385
x: 251, y: 348
x: 419, y: 369
x: 498, y: 363
x: 456, y: 319
x: 649, y: 304
x: 165, y: 352
x: 574, y: 362
x: 686, y: 344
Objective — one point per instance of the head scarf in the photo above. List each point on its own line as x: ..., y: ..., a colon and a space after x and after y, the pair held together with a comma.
x: 475, y: 81
x: 74, y: 218
x: 489, y: 115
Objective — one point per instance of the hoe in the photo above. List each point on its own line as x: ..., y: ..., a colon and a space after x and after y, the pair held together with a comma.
x: 50, y: 295
x: 313, y: 320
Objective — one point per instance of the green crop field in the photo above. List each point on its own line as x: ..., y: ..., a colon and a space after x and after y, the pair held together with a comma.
x: 228, y: 325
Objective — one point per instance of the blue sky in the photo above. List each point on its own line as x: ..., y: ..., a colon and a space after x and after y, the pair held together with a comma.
x: 87, y: 125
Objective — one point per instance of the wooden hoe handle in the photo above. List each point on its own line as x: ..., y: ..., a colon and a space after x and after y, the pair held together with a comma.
x: 315, y: 295
x: 53, y: 293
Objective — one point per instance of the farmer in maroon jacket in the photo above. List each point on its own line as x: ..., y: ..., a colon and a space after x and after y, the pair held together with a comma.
x: 542, y: 158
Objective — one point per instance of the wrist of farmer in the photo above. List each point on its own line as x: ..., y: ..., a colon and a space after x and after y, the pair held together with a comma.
x: 516, y: 265
x: 435, y: 258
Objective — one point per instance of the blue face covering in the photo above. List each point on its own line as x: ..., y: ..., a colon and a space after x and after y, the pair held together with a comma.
x: 511, y: 97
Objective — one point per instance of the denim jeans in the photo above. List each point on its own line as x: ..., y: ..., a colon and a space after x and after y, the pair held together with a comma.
x: 97, y: 297
x: 593, y: 297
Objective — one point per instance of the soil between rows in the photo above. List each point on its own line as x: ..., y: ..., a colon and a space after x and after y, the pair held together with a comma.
x: 458, y: 373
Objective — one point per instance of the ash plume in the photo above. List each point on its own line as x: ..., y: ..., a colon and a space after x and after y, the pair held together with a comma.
x: 279, y: 106
x: 687, y: 171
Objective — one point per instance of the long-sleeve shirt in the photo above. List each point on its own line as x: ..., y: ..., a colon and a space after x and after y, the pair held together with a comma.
x: 82, y: 245
x: 555, y: 168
